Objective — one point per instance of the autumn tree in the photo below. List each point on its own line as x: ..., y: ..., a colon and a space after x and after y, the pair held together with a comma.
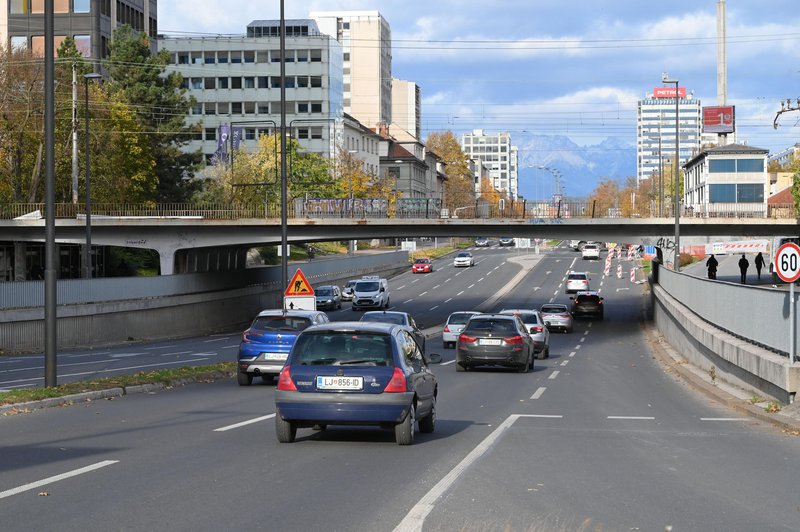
x: 350, y: 176
x: 458, y: 187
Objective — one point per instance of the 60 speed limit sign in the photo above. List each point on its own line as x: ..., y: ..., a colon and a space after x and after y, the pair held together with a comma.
x: 787, y: 262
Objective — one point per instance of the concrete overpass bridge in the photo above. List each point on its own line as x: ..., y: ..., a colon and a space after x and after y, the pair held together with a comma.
x: 175, y: 236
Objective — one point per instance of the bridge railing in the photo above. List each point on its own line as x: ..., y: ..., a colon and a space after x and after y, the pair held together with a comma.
x: 364, y: 208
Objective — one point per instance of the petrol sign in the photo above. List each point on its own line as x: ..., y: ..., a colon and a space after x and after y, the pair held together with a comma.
x: 787, y: 262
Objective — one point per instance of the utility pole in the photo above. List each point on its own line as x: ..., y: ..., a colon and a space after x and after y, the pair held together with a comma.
x: 74, y: 132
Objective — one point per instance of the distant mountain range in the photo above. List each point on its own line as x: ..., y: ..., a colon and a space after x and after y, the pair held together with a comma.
x: 581, y: 167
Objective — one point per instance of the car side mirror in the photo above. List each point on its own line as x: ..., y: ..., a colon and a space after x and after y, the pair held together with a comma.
x: 434, y: 358
x: 383, y: 289
x: 547, y: 324
x: 572, y: 297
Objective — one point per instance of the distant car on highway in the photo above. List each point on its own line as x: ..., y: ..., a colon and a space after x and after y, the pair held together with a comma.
x: 576, y: 281
x: 454, y: 325
x: 398, y: 318
x: 464, y: 258
x: 266, y: 343
x: 557, y: 317
x: 590, y: 252
x: 506, y: 241
x: 587, y: 304
x: 494, y: 340
x: 482, y: 242
x: 422, y: 266
x: 356, y: 373
x: 536, y: 328
x: 328, y: 297
x: 347, y: 290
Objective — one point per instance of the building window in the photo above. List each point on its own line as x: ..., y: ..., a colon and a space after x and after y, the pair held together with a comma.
x: 316, y: 107
x: 249, y: 108
x: 302, y: 82
x: 302, y: 133
x: 223, y: 108
x: 183, y: 59
x: 222, y: 83
x: 211, y: 108
x: 19, y: 43
x: 250, y: 133
x: 316, y: 81
x: 18, y: 7
x: 750, y: 193
x: 316, y: 56
x: 716, y: 166
x: 236, y: 83
x: 749, y: 165
x: 211, y: 133
x: 302, y: 56
x: 302, y: 107
x: 249, y: 82
x: 222, y: 58
x: 197, y: 83
x: 236, y: 108
x: 210, y: 83
x: 263, y: 108
x: 722, y: 193
x: 263, y: 82
x: 81, y: 6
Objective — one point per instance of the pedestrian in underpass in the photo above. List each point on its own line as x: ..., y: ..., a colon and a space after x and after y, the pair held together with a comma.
x: 743, y: 265
x: 759, y: 264
x: 712, y: 264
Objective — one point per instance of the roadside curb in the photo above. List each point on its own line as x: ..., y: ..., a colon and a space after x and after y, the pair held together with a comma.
x: 666, y: 355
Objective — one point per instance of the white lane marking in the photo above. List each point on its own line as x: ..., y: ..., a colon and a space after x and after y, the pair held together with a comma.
x: 481, y: 279
x: 423, y: 293
x: 590, y: 324
x: 448, y: 299
x: 408, y: 301
x: 538, y: 393
x: 459, y: 273
x: 572, y: 354
x: 159, y: 347
x: 555, y: 294
x: 447, y: 363
x: 97, y: 353
x: 56, y: 478
x: 552, y: 299
x: 414, y: 281
x: 448, y: 279
x: 458, y: 294
x: 437, y: 286
x: 223, y: 339
x: 400, y: 287
x: 434, y: 307
x: 564, y: 363
x: 577, y: 347
x: 635, y: 418
x: 560, y: 285
x: 125, y: 355
x: 723, y: 419
x: 553, y: 375
x: 488, y: 274
x: 583, y: 339
x: 244, y: 423
x: 585, y: 333
x: 230, y: 346
x: 176, y: 353
x: 618, y: 289
x: 548, y: 272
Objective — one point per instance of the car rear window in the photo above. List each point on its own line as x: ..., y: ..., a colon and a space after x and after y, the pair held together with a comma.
x: 342, y: 348
x: 587, y: 299
x: 367, y: 286
x: 324, y: 291
x: 553, y: 309
x: 280, y: 323
x: 397, y: 319
x: 577, y: 277
x: 459, y: 318
x: 490, y: 325
x: 526, y: 317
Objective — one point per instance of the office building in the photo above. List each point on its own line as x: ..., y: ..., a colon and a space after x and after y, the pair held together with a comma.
x: 655, y: 131
x: 406, y: 110
x: 90, y: 22
x: 236, y: 83
x: 366, y: 41
x: 497, y: 155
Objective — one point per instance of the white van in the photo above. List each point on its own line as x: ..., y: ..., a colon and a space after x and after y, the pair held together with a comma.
x: 371, y: 291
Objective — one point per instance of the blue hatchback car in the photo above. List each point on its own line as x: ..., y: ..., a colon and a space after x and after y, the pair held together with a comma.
x: 266, y: 343
x: 356, y: 373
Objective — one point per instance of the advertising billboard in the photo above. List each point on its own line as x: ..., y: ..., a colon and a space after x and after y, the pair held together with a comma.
x: 668, y: 92
x: 719, y: 119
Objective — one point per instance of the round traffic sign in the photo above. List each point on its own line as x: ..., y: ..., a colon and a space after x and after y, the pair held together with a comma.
x: 787, y: 262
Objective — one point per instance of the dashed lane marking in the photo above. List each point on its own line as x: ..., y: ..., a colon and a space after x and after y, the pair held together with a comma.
x: 56, y: 478
x: 538, y: 393
x: 448, y: 299
x: 633, y: 418
x: 458, y: 294
x: 564, y: 363
x: 244, y: 423
x: 572, y: 354
x: 447, y: 363
x: 723, y: 419
x: 423, y: 293
x: 434, y: 307
x: 553, y: 375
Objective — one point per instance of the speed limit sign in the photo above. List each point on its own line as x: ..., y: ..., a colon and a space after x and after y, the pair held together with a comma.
x: 787, y: 262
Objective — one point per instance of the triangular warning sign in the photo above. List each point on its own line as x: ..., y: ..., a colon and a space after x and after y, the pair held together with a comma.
x: 299, y: 285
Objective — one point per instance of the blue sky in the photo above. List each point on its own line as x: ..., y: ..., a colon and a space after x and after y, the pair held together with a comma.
x: 568, y: 67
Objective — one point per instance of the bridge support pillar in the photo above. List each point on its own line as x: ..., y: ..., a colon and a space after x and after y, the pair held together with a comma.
x: 166, y: 259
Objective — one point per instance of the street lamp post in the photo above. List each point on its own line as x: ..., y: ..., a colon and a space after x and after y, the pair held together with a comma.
x: 87, y: 252
x: 677, y: 199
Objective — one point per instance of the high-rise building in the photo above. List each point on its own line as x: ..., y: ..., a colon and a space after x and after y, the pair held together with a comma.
x: 236, y: 82
x: 90, y: 22
x: 655, y: 130
x: 497, y: 155
x: 366, y: 41
x: 406, y: 110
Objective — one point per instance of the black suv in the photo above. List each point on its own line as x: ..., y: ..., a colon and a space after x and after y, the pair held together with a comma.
x: 587, y: 304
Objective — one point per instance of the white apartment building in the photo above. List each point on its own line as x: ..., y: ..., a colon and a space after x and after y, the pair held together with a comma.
x: 497, y: 155
x: 655, y: 130
x: 406, y: 110
x: 366, y: 41
x: 236, y: 83
x: 362, y: 143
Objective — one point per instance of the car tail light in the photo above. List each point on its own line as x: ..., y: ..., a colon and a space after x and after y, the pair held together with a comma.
x: 536, y: 328
x: 466, y: 339
x: 446, y: 328
x: 245, y: 337
x: 514, y: 340
x: 397, y: 383
x: 564, y: 315
x: 285, y: 381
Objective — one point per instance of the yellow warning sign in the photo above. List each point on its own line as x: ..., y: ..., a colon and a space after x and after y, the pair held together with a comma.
x: 299, y: 285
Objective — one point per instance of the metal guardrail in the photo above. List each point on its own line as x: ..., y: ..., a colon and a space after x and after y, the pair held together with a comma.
x: 754, y: 314
x: 395, y: 208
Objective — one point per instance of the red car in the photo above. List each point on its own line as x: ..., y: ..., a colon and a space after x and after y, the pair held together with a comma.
x: 422, y: 266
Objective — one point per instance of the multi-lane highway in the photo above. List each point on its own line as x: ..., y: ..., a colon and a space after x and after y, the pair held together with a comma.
x: 597, y: 437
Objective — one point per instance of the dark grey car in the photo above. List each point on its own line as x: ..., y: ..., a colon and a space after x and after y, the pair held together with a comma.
x: 328, y: 297
x: 494, y: 340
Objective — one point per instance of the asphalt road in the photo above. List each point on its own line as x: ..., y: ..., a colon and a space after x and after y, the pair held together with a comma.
x: 598, y: 437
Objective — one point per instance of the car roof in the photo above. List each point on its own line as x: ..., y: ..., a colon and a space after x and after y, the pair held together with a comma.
x: 422, y: 259
x: 293, y: 313
x: 587, y: 293
x: 326, y: 286
x: 464, y: 254
x: 519, y: 311
x: 494, y: 315
x: 473, y: 312
x: 559, y: 305
x: 353, y: 326
x: 388, y: 312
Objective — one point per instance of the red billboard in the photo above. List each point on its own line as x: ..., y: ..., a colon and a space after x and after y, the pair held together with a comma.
x: 668, y: 92
x: 719, y: 119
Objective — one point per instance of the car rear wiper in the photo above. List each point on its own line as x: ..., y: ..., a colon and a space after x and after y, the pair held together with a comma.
x: 366, y: 361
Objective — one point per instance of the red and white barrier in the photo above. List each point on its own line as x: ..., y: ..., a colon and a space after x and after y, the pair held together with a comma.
x: 633, y: 275
x: 619, y: 271
x: 630, y: 252
x: 607, y: 269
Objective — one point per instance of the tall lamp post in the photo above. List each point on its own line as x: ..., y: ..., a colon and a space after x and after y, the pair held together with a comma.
x: 677, y: 199
x: 87, y: 252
